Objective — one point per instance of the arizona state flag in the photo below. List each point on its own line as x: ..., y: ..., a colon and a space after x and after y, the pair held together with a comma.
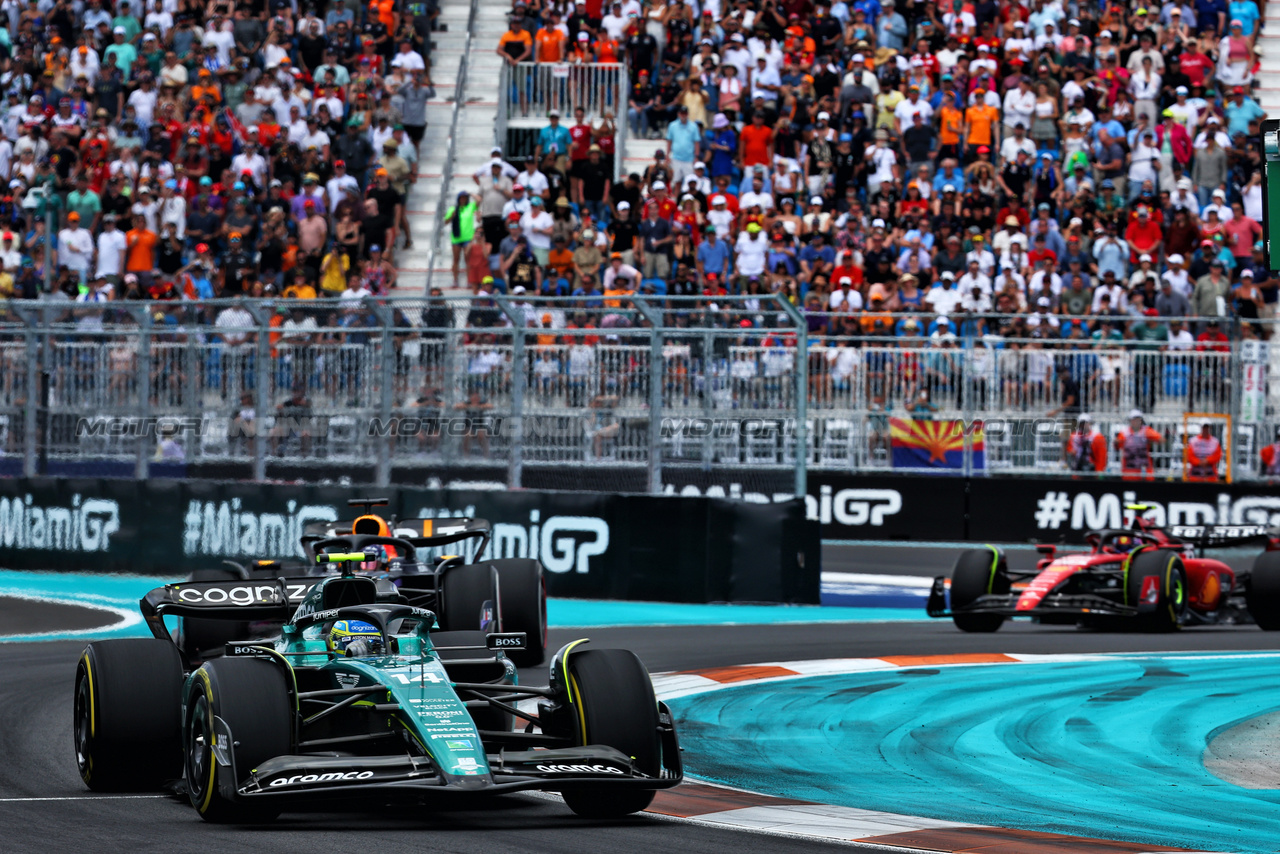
x: 933, y: 444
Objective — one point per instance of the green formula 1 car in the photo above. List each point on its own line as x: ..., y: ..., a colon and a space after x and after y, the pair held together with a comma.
x: 360, y: 696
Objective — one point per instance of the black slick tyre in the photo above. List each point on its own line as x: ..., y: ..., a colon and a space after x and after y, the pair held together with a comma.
x: 201, y: 635
x: 128, y: 715
x: 1157, y: 584
x: 1262, y: 595
x: 524, y: 607
x: 251, y: 696
x: 977, y: 572
x: 616, y: 707
x: 464, y: 590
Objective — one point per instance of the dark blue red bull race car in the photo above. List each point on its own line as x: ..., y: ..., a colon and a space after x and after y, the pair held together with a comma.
x: 480, y: 594
x: 1150, y: 577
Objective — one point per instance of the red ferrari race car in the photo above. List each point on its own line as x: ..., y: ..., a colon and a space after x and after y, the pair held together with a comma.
x: 1149, y: 577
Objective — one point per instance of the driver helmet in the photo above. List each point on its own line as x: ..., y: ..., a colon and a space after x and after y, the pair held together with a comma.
x: 1125, y: 543
x: 355, y: 639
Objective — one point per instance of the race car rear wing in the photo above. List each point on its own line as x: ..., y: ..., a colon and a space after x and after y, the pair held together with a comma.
x: 430, y: 533
x: 225, y: 600
x: 422, y: 533
x: 1221, y: 535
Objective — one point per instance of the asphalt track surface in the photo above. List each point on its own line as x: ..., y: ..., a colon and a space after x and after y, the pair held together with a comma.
x: 44, y: 806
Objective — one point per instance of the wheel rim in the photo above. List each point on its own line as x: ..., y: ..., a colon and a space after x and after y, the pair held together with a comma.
x: 199, y: 749
x: 1177, y: 595
x: 83, y: 725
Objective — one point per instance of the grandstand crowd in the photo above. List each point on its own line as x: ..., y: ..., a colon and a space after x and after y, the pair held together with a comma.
x: 1067, y: 169
x: 174, y: 149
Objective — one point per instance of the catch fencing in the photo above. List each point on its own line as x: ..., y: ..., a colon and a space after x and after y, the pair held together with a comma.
x: 666, y: 388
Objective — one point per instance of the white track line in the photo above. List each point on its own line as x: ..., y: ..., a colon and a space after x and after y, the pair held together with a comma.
x: 84, y: 798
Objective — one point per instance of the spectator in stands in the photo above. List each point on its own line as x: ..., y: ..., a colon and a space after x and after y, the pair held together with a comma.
x: 1204, y: 453
x: 1086, y: 449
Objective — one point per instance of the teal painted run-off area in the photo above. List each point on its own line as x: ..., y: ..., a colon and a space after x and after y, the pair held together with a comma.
x: 1110, y: 749
x: 118, y: 596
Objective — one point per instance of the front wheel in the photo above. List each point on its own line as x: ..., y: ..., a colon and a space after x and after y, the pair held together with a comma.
x: 978, y: 572
x: 1262, y: 596
x: 1157, y: 585
x: 251, y: 696
x: 615, y: 706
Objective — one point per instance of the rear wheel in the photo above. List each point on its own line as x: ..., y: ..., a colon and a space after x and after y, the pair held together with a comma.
x: 128, y: 714
x: 466, y: 595
x: 252, y: 698
x: 977, y: 573
x: 524, y: 607
x: 1157, y: 584
x: 203, y: 635
x: 1262, y: 596
x: 616, y: 707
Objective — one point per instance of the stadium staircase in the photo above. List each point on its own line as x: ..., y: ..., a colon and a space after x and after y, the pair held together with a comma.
x: 458, y: 137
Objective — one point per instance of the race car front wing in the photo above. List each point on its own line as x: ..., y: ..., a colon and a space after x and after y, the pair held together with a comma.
x: 1006, y: 604
x: 300, y: 777
x: 312, y: 776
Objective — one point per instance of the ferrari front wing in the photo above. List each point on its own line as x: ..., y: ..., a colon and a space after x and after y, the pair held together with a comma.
x: 1006, y: 604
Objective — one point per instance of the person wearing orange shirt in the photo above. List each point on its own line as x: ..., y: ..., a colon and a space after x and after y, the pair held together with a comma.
x: 1134, y: 445
x: 607, y: 51
x: 140, y: 251
x: 950, y: 130
x: 1086, y: 448
x: 980, y: 122
x: 552, y: 42
x: 1204, y: 452
x: 205, y: 86
x: 268, y: 128
x: 386, y: 13
x: 755, y: 143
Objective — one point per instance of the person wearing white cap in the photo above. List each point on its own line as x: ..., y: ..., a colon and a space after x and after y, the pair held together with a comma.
x: 1217, y: 197
x: 860, y: 75
x: 698, y: 182
x: 1133, y: 443
x: 1212, y: 128
x: 1204, y: 452
x: 1179, y: 280
x: 120, y: 52
x: 495, y: 156
x: 720, y: 216
x: 1086, y: 449
x: 1183, y: 196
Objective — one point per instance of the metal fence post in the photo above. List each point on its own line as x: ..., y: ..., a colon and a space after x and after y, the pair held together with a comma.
x: 142, y: 461
x: 261, y: 398
x: 45, y: 418
x: 36, y: 342
x: 657, y: 377
x: 390, y: 357
x: 519, y: 381
x: 802, y: 395
x: 708, y: 397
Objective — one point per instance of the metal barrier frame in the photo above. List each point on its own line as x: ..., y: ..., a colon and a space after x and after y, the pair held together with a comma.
x: 763, y: 399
